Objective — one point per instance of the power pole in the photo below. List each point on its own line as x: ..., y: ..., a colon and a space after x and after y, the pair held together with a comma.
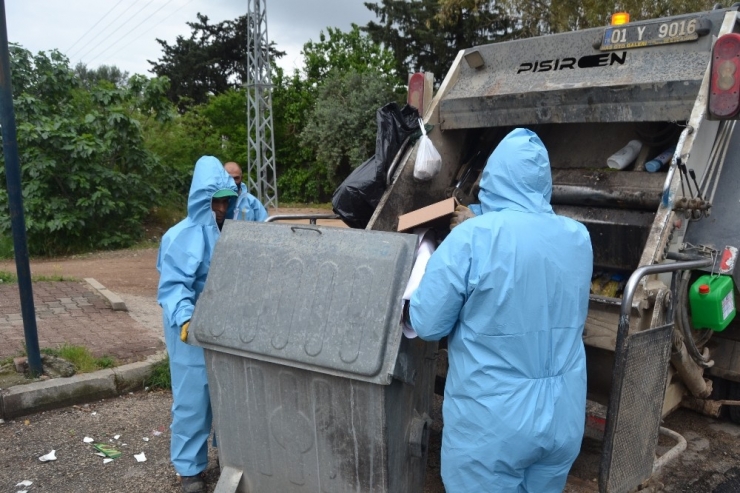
x: 262, y: 180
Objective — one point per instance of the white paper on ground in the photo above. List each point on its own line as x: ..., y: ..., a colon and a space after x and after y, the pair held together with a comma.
x: 88, y: 440
x: 140, y: 457
x: 116, y: 437
x: 146, y: 439
x: 25, y: 482
x: 50, y: 456
x: 107, y: 460
x: 423, y: 254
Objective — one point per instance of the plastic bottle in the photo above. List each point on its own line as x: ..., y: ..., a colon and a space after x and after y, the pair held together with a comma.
x: 660, y: 160
x: 625, y: 156
x: 712, y: 302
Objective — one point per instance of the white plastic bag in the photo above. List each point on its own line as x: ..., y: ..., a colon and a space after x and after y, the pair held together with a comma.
x: 428, y: 161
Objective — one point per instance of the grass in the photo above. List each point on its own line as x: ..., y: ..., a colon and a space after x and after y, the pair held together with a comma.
x: 160, y: 376
x: 80, y: 357
x: 9, y: 277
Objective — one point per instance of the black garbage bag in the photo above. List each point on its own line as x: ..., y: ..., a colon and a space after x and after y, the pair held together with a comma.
x: 357, y: 197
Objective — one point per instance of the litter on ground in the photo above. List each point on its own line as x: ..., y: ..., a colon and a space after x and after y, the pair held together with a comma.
x: 140, y: 457
x: 50, y: 456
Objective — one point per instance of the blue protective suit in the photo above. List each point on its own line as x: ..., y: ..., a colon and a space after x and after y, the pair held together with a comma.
x: 510, y: 288
x: 248, y: 207
x: 183, y: 262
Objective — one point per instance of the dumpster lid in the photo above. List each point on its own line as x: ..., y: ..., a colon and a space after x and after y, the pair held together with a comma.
x: 322, y: 299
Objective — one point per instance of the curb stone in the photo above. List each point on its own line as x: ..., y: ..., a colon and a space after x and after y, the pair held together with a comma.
x: 21, y: 400
x: 116, y: 302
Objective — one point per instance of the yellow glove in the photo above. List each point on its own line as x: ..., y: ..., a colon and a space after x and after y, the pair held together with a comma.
x: 461, y: 214
x: 184, y: 331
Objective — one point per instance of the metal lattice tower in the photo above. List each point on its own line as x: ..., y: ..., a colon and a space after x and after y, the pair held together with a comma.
x: 262, y: 180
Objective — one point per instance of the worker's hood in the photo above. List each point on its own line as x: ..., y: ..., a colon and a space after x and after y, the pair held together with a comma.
x: 209, y: 177
x: 517, y: 175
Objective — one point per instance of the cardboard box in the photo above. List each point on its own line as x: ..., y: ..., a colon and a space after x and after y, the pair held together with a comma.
x: 435, y: 215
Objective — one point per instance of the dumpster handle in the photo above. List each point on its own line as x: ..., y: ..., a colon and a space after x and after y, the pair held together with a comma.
x: 293, y: 228
x: 293, y: 217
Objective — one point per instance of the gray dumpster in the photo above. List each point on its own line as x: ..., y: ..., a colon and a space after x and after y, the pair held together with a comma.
x: 313, y: 387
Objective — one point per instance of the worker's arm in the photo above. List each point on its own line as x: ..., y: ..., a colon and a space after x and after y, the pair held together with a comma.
x: 260, y: 213
x: 178, y: 265
x: 435, y: 306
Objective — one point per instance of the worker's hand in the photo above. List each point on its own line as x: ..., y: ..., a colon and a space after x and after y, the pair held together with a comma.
x: 461, y: 214
x: 184, y: 331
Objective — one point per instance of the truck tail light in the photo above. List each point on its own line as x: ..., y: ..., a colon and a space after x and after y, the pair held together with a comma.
x: 724, y: 86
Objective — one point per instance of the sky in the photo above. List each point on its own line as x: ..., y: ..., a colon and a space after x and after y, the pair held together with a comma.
x: 123, y: 32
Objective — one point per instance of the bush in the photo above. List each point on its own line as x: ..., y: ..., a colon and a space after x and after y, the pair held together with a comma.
x: 87, y: 178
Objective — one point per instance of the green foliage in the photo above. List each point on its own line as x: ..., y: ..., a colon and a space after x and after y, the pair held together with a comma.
x: 92, y: 77
x: 6, y: 247
x: 299, y: 176
x: 11, y: 277
x: 342, y: 127
x: 344, y: 51
x: 87, y: 178
x: 80, y: 357
x: 324, y: 117
x: 209, y: 62
x: 160, y: 376
x: 216, y: 128
x: 423, y: 40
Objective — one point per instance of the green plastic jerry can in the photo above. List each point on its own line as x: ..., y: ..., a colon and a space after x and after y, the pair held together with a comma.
x: 712, y: 302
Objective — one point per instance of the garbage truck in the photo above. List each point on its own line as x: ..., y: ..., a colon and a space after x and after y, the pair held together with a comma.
x: 314, y: 387
x: 664, y: 93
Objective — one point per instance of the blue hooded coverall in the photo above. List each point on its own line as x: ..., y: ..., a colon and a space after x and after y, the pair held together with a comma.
x: 183, y: 262
x: 248, y: 207
x: 510, y: 288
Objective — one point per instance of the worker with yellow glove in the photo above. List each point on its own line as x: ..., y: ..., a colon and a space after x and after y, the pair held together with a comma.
x: 183, y: 262
x: 461, y: 214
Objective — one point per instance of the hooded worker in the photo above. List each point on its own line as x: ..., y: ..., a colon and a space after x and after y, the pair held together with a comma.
x: 248, y: 207
x: 183, y: 262
x: 510, y: 289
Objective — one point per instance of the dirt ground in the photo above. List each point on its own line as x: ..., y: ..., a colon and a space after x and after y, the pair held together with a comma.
x: 128, y: 271
x: 711, y: 462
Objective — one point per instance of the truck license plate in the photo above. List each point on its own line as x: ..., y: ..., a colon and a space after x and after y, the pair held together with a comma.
x: 657, y: 33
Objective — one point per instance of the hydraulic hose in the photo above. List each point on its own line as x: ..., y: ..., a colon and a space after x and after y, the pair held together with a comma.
x: 684, y: 324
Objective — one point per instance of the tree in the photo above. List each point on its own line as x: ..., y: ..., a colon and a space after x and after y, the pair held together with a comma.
x: 209, y: 62
x: 341, y: 128
x: 298, y: 175
x: 109, y: 73
x: 87, y: 179
x: 307, y: 169
x: 337, y: 50
x: 423, y: 40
